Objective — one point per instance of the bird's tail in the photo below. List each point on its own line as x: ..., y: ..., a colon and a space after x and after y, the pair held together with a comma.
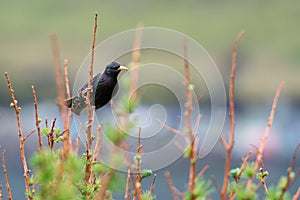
x: 76, y: 103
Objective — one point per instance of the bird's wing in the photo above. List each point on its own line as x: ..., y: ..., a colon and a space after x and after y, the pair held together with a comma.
x: 95, y: 80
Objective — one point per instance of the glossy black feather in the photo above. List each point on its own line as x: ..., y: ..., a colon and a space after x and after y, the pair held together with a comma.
x: 105, y: 86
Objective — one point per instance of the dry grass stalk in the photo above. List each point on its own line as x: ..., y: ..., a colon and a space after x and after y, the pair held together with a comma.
x: 260, y: 150
x: 20, y: 133
x: 37, y: 122
x: 229, y: 146
x: 9, y: 195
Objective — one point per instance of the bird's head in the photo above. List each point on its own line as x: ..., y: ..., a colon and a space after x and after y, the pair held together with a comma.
x: 114, y: 68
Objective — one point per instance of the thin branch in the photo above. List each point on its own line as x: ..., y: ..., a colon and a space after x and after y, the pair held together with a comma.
x: 245, y: 160
x: 138, y: 180
x: 20, y: 133
x: 67, y: 139
x: 88, y: 101
x: 290, y: 170
x: 297, y: 194
x: 153, y: 184
x: 29, y: 134
x: 171, y: 186
x: 188, y: 126
x: 59, y: 77
x: 135, y: 57
x: 168, y: 128
x: 215, y: 182
x: 97, y: 149
x: 37, y: 121
x: 230, y: 145
x: 266, y: 134
x: 51, y: 134
x: 1, y: 192
x: 9, y: 195
x: 203, y: 170
x: 127, y: 190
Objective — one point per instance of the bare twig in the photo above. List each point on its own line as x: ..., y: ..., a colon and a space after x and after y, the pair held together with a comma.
x: 171, y: 186
x: 88, y: 101
x: 67, y: 139
x: 37, y: 121
x: 127, y: 190
x: 51, y: 134
x: 297, y: 194
x: 215, y: 182
x: 138, y: 179
x: 104, y: 183
x: 153, y: 184
x: 59, y: 77
x: 20, y: 133
x: 188, y: 126
x: 290, y: 179
x: 203, y: 170
x: 173, y: 130
x: 29, y: 134
x: 245, y: 160
x: 9, y: 195
x: 135, y: 57
x: 266, y: 134
x: 230, y: 145
x: 1, y: 193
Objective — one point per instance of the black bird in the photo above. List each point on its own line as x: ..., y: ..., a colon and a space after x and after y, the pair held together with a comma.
x: 105, y: 86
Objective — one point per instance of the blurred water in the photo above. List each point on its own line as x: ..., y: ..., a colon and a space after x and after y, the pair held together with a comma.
x: 250, y: 125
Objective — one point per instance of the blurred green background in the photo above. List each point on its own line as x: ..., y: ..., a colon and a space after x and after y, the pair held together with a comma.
x: 268, y: 54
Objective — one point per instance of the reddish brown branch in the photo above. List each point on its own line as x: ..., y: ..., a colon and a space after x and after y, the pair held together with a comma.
x: 260, y: 150
x: 188, y: 126
x: 290, y: 179
x: 138, y: 179
x: 135, y: 58
x: 29, y: 134
x: 20, y: 133
x: 9, y: 195
x: 1, y: 192
x: 245, y: 160
x: 67, y: 140
x: 152, y: 184
x: 127, y: 190
x: 59, y: 77
x: 88, y: 101
x: 37, y: 120
x: 171, y: 186
x: 229, y: 146
x: 297, y: 194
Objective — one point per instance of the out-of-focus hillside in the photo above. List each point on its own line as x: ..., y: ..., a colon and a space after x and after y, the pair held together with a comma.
x: 268, y: 53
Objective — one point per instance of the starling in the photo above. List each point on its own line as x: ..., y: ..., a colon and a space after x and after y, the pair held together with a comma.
x: 104, y: 88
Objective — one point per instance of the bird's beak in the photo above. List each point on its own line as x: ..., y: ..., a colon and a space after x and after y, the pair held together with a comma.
x: 122, y: 68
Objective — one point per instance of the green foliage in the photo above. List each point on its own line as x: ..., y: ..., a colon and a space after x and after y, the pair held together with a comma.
x: 234, y: 172
x: 148, y: 196
x: 56, y: 179
x: 203, y: 189
x: 249, y: 169
x: 146, y: 173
